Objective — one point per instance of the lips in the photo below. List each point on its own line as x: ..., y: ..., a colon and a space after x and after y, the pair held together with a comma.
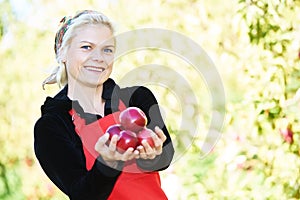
x: 94, y: 68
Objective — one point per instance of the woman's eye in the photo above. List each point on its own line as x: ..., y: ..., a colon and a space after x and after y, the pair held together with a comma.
x: 86, y: 47
x: 108, y: 50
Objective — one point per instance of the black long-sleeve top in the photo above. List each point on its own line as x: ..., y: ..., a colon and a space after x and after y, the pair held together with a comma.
x: 59, y: 150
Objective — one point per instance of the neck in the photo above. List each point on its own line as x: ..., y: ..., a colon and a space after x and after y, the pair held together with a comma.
x: 89, y: 98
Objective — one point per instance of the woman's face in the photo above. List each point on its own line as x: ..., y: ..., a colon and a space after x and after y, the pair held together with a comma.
x: 89, y: 59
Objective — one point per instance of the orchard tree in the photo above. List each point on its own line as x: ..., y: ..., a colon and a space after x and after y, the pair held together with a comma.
x: 272, y: 28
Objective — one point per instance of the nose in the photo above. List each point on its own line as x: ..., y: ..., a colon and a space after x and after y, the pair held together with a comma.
x: 96, y: 55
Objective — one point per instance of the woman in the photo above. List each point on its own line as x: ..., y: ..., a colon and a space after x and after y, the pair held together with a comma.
x: 70, y: 140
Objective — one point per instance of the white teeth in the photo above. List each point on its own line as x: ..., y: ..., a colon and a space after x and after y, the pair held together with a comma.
x: 98, y: 69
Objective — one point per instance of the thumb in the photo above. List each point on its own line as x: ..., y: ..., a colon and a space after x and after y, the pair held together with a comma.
x: 101, y: 141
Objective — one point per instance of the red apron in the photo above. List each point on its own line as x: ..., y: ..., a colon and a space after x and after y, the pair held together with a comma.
x: 132, y: 183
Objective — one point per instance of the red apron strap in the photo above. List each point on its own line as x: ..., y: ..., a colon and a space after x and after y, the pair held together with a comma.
x: 121, y: 105
x: 90, y: 133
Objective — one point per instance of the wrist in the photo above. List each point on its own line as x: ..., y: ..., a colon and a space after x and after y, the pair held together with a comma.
x: 112, y: 164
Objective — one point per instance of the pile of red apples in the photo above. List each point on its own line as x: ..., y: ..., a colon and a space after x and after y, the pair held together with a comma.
x: 132, y: 130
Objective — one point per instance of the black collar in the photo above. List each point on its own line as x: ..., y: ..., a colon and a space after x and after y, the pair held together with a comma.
x: 110, y: 94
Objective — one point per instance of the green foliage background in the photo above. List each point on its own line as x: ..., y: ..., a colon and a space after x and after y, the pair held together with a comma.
x: 253, y: 43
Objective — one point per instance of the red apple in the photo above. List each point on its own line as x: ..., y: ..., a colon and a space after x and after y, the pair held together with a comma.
x: 133, y: 119
x: 126, y: 140
x: 113, y: 130
x: 145, y: 134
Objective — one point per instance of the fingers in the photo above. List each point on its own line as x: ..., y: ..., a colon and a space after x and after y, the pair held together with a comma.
x: 100, y: 144
x: 146, y: 151
x: 113, y: 143
x: 142, y: 152
x: 160, y: 134
x: 109, y: 152
x: 129, y: 154
x: 150, y: 152
x: 159, y: 140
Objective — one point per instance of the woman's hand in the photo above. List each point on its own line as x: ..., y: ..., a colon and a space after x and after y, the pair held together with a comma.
x: 109, y: 152
x: 146, y: 151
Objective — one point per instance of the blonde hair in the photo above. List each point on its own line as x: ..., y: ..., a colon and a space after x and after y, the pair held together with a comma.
x: 64, y: 38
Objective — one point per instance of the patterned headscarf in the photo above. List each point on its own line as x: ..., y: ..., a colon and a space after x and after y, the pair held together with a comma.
x: 66, y: 23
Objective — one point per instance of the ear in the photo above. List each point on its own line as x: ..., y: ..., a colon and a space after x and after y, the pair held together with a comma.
x: 64, y: 58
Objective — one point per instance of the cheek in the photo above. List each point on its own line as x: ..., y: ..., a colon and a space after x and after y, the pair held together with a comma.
x: 73, y: 60
x: 69, y: 63
x: 109, y: 59
x: 71, y: 67
x: 111, y: 64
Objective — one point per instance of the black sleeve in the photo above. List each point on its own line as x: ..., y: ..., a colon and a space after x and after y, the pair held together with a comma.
x: 143, y: 98
x: 63, y: 161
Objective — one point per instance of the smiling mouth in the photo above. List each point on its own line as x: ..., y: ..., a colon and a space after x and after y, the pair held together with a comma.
x: 95, y: 69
